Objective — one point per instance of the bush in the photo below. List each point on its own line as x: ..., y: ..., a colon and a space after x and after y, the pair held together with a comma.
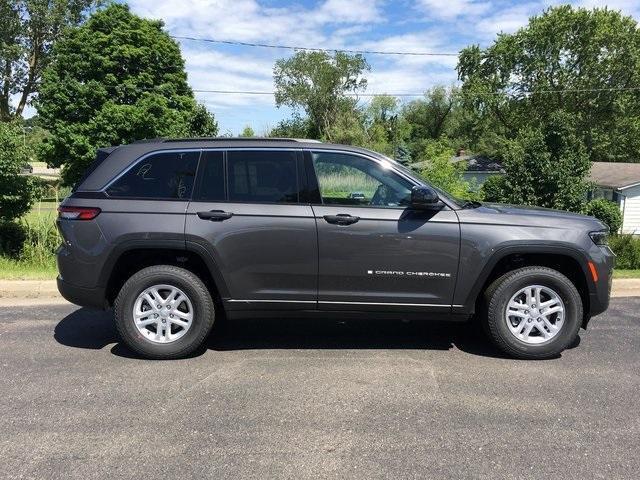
x: 12, y: 238
x: 627, y: 250
x: 607, y: 212
x: 493, y: 189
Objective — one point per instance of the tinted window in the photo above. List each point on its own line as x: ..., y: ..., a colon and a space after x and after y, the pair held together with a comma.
x: 212, y: 183
x: 263, y: 176
x: 351, y: 180
x: 162, y: 175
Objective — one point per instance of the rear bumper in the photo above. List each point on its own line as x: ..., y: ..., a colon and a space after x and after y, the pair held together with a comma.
x: 85, y: 297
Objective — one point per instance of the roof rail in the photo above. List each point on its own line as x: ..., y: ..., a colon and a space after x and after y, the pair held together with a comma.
x: 226, y: 139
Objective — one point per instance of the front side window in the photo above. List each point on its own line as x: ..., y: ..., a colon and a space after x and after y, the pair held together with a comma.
x: 262, y: 176
x: 167, y: 175
x: 352, y: 180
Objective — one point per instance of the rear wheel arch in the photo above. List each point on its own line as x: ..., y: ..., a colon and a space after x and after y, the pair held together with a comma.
x: 128, y: 261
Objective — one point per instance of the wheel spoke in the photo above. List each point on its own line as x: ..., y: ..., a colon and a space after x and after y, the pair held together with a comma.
x: 144, y: 323
x: 549, y: 303
x: 551, y: 310
x: 183, y: 315
x: 517, y: 313
x: 159, y: 331
x: 149, y: 300
x: 518, y: 306
x: 552, y: 328
x: 176, y: 303
x: 537, y: 296
x: 529, y: 294
x: 543, y: 331
x: 179, y: 322
x: 527, y: 329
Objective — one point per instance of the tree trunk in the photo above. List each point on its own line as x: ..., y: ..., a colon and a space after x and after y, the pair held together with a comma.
x: 5, y: 111
x: 34, y: 58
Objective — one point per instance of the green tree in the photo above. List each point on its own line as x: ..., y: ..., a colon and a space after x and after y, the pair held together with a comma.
x: 294, y: 127
x: 319, y: 84
x: 17, y: 192
x: 28, y: 30
x: 248, y: 132
x: 547, y: 166
x: 440, y: 171
x: 583, y: 62
x: 115, y: 79
x: 386, y: 126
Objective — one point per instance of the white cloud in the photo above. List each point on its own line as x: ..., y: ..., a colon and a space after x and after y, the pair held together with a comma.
x: 507, y: 20
x: 450, y: 9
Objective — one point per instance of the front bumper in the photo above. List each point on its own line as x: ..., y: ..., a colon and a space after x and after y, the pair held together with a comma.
x: 600, y: 292
x: 85, y: 297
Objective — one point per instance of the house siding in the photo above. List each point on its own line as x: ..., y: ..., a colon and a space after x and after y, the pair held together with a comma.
x: 631, y: 210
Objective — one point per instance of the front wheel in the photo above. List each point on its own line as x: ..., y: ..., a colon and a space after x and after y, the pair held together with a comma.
x: 164, y: 312
x: 533, y: 313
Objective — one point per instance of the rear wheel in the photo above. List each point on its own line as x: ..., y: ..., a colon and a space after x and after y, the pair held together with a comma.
x: 533, y: 313
x: 164, y: 312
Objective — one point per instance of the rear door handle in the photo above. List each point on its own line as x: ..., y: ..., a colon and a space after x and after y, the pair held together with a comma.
x: 341, y: 219
x: 215, y: 215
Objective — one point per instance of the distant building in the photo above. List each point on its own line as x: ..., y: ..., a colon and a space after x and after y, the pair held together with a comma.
x: 620, y: 183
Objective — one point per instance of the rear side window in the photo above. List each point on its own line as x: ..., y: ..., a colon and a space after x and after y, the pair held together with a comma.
x: 168, y: 175
x: 263, y: 176
x: 212, y: 178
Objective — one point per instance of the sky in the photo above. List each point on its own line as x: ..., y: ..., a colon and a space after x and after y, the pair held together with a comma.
x: 408, y: 26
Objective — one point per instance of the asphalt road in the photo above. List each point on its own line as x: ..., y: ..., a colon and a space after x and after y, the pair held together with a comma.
x: 315, y: 399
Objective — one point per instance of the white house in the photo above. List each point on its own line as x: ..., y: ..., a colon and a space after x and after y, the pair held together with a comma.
x: 620, y: 183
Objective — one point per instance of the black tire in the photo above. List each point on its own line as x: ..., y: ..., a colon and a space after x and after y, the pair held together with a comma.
x: 191, y: 285
x: 498, y: 294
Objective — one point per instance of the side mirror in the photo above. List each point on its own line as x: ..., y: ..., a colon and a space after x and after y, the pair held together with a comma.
x: 424, y: 198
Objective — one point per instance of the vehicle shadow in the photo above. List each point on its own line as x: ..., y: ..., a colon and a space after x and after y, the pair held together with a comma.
x: 92, y: 329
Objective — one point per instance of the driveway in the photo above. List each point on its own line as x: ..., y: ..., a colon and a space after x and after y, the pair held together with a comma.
x: 315, y: 399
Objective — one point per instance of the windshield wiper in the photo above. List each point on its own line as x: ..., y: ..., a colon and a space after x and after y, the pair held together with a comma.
x: 471, y: 204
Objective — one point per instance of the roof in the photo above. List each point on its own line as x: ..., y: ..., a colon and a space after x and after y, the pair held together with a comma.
x: 479, y: 163
x: 617, y: 175
x: 475, y: 163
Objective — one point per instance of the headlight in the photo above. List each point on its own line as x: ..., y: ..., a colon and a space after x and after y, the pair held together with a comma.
x: 600, y: 238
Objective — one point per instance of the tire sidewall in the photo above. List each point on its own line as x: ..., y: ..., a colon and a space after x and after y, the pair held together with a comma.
x: 202, y: 309
x: 572, y: 317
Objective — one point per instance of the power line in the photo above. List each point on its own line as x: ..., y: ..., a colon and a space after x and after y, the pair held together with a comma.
x: 406, y: 94
x: 314, y: 49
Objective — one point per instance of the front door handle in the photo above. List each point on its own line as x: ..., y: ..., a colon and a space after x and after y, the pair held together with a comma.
x: 341, y: 219
x: 215, y: 215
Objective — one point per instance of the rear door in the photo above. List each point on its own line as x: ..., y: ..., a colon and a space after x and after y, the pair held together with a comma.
x: 375, y: 253
x: 247, y: 212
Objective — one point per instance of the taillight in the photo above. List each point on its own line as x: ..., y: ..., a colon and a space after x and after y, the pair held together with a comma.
x: 78, y: 213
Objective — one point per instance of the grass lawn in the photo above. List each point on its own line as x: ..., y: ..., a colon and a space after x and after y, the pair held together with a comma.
x: 43, y: 210
x: 626, y: 274
x: 15, y: 270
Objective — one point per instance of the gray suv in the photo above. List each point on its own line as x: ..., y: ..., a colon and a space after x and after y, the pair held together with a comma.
x: 175, y: 233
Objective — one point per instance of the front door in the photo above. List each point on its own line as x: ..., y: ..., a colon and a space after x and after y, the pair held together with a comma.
x: 375, y: 253
x: 246, y: 212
